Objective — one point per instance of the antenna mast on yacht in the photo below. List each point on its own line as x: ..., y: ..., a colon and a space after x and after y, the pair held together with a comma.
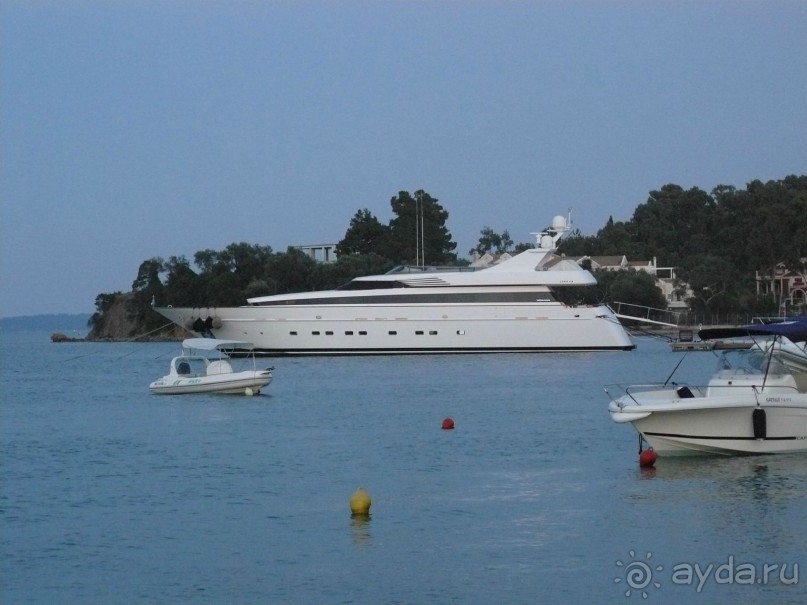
x: 417, y: 233
x: 420, y: 240
x: 422, y: 232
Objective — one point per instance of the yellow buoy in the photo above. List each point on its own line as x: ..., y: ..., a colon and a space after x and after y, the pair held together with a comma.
x: 360, y: 502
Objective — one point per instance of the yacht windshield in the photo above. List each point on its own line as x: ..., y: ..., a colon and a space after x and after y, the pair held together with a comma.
x: 751, y: 361
x: 372, y: 285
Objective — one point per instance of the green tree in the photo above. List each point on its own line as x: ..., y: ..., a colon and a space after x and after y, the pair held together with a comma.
x: 227, y: 274
x: 247, y: 261
x: 292, y: 271
x: 103, y: 303
x: 146, y: 289
x: 365, y: 235
x: 779, y: 234
x: 763, y: 225
x: 797, y: 187
x: 615, y: 238
x: 258, y: 287
x: 490, y: 241
x: 633, y: 287
x: 148, y: 275
x: 713, y: 281
x: 208, y: 260
x: 576, y: 244
x: 183, y: 287
x: 223, y: 289
x: 673, y: 223
x: 419, y: 219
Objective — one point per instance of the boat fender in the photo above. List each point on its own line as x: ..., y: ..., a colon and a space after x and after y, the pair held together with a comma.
x: 216, y: 322
x: 199, y: 325
x: 647, y: 458
x: 760, y: 423
x: 208, y: 323
x: 188, y: 325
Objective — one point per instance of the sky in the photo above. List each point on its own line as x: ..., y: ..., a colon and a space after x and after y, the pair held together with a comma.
x: 139, y: 129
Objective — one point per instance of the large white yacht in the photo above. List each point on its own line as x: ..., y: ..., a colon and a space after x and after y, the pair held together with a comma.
x: 507, y: 307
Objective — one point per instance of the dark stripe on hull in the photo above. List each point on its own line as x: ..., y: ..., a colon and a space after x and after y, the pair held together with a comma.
x: 502, y: 298
x: 428, y: 351
x: 718, y: 437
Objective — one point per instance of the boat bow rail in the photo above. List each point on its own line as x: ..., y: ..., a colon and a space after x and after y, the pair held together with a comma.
x: 648, y: 393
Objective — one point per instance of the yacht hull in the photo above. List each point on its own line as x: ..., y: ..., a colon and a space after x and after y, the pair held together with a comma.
x: 410, y: 329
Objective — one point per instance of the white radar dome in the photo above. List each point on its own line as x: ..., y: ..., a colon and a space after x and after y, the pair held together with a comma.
x: 559, y: 223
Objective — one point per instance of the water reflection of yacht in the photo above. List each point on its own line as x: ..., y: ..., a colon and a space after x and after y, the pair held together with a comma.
x: 509, y: 306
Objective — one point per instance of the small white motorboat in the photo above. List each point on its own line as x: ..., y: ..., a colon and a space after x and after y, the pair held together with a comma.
x: 196, y: 370
x: 755, y: 403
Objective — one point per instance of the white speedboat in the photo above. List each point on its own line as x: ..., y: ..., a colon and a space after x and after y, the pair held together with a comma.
x: 509, y: 306
x: 755, y: 402
x: 196, y: 371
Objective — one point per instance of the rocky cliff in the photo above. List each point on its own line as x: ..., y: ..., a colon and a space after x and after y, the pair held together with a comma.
x: 118, y: 323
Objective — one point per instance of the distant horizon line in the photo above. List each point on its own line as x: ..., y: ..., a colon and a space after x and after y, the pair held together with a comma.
x: 52, y: 314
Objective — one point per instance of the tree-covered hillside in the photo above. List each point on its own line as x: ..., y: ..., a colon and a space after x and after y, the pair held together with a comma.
x: 716, y: 241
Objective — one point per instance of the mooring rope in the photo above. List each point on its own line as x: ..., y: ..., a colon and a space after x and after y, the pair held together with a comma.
x: 133, y: 339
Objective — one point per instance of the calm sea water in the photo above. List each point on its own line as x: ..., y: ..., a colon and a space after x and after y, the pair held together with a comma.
x: 112, y: 495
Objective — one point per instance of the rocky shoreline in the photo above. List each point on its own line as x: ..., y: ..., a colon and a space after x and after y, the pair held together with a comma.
x: 119, y: 324
x: 62, y: 337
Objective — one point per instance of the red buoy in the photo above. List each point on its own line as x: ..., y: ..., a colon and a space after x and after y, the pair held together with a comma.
x: 647, y: 457
x: 448, y: 424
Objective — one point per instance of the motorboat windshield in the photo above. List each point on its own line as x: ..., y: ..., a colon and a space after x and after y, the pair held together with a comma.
x: 749, y: 361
